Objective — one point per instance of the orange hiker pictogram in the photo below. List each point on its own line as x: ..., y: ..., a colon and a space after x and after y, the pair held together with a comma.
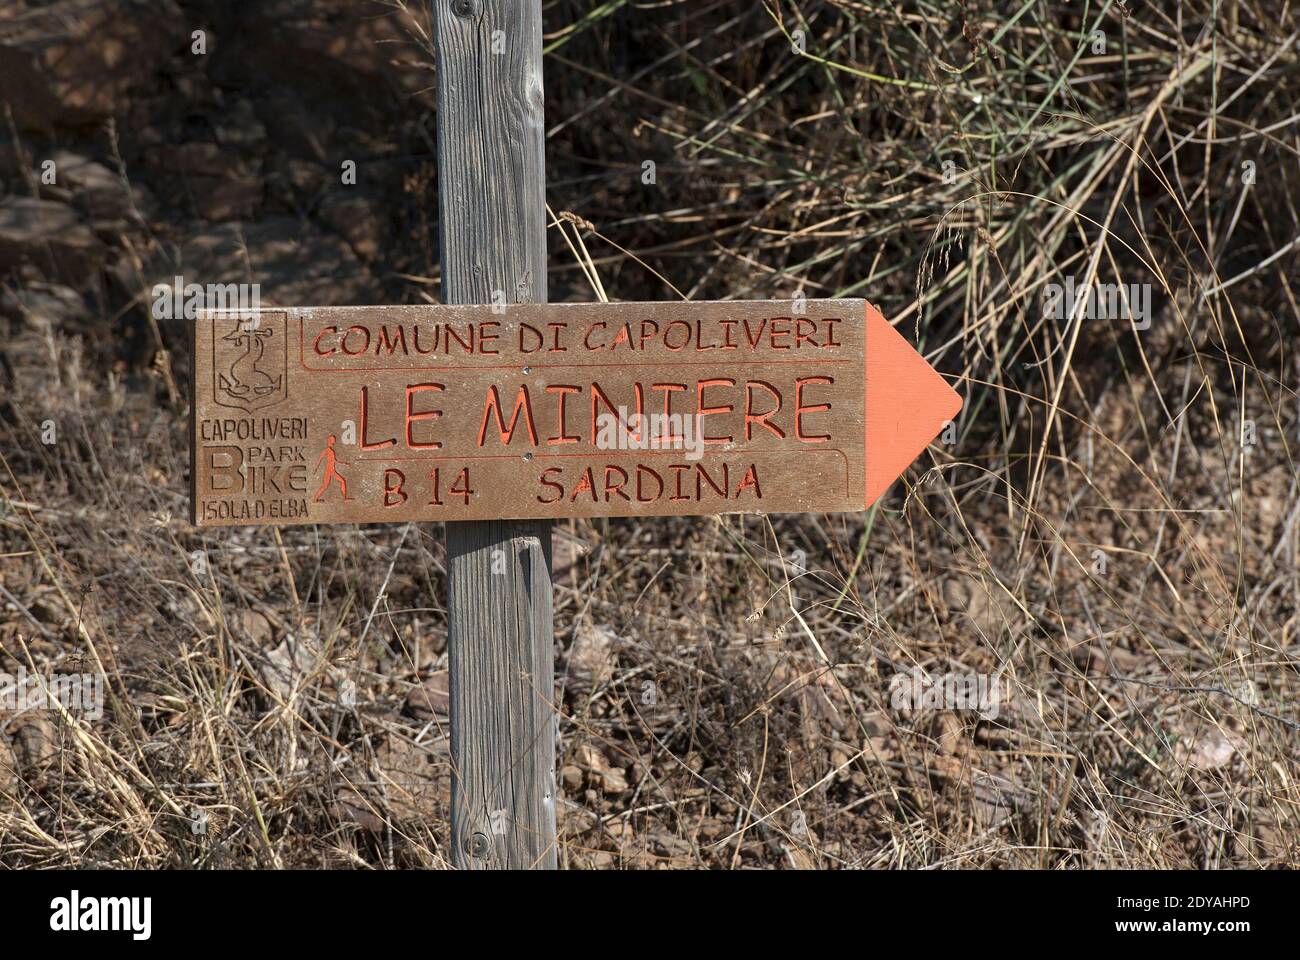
x: 331, y: 471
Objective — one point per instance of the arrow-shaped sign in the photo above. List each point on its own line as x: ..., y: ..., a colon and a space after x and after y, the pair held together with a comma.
x: 907, y: 404
x: 379, y: 414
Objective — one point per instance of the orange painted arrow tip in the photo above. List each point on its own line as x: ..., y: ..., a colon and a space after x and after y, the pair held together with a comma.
x: 907, y: 404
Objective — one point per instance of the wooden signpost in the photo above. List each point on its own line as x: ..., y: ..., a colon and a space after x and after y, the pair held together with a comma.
x: 382, y: 414
x: 498, y: 418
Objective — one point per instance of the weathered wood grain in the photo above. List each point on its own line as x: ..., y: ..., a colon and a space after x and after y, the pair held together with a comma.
x: 492, y: 216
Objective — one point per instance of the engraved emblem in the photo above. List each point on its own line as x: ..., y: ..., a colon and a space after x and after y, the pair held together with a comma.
x: 250, y: 363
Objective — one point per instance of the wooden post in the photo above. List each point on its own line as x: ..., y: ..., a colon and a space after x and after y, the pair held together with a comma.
x: 492, y: 232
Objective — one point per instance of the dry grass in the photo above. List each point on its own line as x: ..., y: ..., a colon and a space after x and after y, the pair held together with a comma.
x: 1113, y: 532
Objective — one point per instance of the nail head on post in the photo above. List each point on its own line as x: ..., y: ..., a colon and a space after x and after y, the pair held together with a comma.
x: 480, y: 846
